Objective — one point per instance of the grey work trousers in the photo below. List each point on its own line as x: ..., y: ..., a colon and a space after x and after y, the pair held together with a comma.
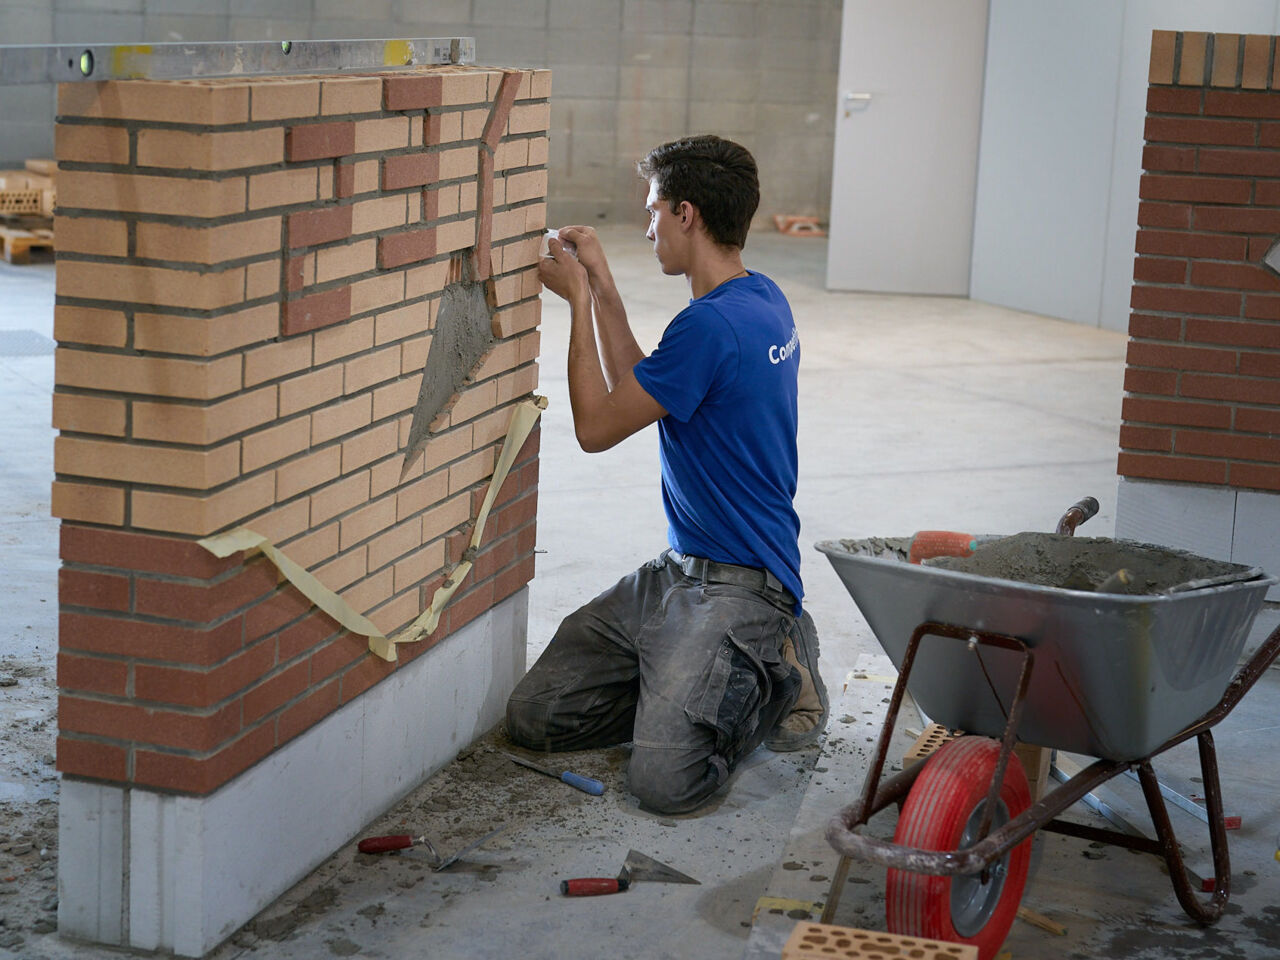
x: 689, y: 669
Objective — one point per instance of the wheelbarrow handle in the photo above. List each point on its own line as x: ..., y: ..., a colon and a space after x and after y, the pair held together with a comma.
x: 1076, y: 514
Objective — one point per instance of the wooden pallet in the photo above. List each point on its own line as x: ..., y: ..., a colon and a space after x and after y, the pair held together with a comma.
x: 17, y: 244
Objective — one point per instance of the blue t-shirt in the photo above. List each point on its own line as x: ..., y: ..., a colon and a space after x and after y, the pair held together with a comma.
x: 725, y: 371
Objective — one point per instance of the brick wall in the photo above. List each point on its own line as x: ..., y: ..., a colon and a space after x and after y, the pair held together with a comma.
x: 1202, y: 384
x: 249, y: 272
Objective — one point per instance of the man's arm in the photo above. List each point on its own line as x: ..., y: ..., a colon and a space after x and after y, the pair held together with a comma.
x: 601, y: 417
x: 617, y: 345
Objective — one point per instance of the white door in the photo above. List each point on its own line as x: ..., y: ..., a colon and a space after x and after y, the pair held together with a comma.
x: 906, y: 146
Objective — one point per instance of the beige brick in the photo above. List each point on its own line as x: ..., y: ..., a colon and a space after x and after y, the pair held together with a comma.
x: 449, y: 515
x: 280, y: 187
x: 446, y: 200
x: 447, y: 447
x: 396, y: 324
x: 377, y: 291
x: 529, y: 346
x: 539, y: 150
x: 276, y: 360
x: 388, y: 475
x: 490, y: 428
x: 200, y: 424
x: 228, y: 241
x: 419, y: 565
x: 473, y: 122
x: 366, y: 522
x: 414, y: 212
x: 339, y: 497
x: 107, y: 238
x: 530, y: 285
x: 398, y: 612
x: 282, y: 523
x: 78, y: 413
x: 395, y: 542
x: 91, y: 144
x: 540, y: 87
x: 306, y: 473
x: 531, y: 185
x: 88, y: 503
x: 444, y: 128
x: 520, y: 253
x: 275, y: 444
x: 503, y: 357
x: 343, y: 340
x: 325, y: 186
x: 142, y: 193
x: 370, y: 445
x: 365, y: 177
x: 169, y: 101
x: 511, y: 154
x: 363, y: 372
x: 107, y: 328
x: 471, y: 470
x: 279, y: 99
x: 457, y: 235
x: 380, y: 214
x: 426, y: 281
x: 529, y: 118
x: 201, y: 516
x: 315, y: 547
x: 467, y: 196
x: 507, y: 224
x: 520, y: 383
x: 499, y: 192
x: 335, y: 262
x: 525, y: 90
x: 516, y: 319
x: 459, y: 162
x: 310, y: 390
x: 396, y: 397
x: 194, y: 379
x: 206, y: 336
x: 262, y: 279
x: 416, y: 128
x: 413, y: 354
x: 344, y: 570
x: 228, y: 150
x: 473, y: 401
x: 140, y: 463
x: 160, y: 286
x: 460, y: 88
x: 369, y: 592
x: 341, y: 418
x: 377, y: 136
x: 344, y: 95
x: 420, y: 494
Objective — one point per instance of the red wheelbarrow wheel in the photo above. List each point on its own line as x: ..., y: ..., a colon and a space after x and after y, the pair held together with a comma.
x: 943, y: 812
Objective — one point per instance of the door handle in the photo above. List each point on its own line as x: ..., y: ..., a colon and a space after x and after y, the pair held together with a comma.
x: 860, y: 100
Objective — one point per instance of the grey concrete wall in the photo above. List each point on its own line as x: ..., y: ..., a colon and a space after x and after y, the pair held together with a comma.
x: 628, y: 74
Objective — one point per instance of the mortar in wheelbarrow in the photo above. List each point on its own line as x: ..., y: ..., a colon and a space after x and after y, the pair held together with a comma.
x: 1114, y: 675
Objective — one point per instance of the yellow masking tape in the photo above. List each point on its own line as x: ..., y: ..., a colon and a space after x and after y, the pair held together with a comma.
x: 397, y: 53
x: 523, y: 418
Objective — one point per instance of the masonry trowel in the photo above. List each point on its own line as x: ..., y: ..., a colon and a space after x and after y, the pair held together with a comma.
x: 637, y: 867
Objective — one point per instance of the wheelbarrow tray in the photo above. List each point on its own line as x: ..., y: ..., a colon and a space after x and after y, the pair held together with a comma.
x: 1114, y: 676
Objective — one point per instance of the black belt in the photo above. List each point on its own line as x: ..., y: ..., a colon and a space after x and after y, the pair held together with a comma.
x: 753, y: 578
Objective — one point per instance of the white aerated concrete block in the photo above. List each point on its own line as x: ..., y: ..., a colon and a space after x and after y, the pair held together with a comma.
x: 1186, y: 516
x: 1257, y: 533
x: 91, y: 871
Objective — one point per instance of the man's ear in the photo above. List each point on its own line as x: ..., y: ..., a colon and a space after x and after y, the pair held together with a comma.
x: 688, y: 214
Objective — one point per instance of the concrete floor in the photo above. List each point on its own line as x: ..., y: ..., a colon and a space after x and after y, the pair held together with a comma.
x: 915, y: 413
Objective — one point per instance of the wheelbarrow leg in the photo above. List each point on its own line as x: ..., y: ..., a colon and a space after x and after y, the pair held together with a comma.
x: 1196, y: 909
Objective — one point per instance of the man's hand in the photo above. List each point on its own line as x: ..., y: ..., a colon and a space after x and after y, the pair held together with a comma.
x: 590, y: 251
x: 562, y: 273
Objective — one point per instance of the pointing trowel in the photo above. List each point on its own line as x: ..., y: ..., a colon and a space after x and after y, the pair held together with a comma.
x: 637, y: 867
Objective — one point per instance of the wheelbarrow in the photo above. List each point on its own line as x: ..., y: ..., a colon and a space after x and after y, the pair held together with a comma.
x: 1121, y: 677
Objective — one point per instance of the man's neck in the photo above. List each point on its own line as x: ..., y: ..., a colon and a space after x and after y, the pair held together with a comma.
x: 713, y: 265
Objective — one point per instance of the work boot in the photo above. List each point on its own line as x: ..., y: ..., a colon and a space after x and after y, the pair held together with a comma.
x: 808, y: 718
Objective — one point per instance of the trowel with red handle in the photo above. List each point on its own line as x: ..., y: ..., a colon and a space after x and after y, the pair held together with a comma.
x: 637, y: 867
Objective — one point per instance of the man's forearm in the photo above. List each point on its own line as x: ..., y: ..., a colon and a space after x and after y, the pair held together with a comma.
x: 588, y: 385
x: 615, y: 342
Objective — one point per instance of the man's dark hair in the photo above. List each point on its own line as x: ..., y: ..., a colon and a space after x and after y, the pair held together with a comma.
x: 717, y: 176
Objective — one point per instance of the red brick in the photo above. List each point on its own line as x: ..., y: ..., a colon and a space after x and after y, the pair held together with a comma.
x: 1159, y: 270
x: 1255, y: 476
x: 1222, y: 103
x: 1156, y: 186
x: 1233, y: 333
x: 275, y: 692
x: 92, y: 674
x: 1229, y: 446
x: 462, y: 610
x: 1260, y: 365
x: 1173, y: 100
x: 1180, y: 357
x: 363, y: 676
x: 1154, y: 327
x: 1218, y: 133
x: 1150, y: 381
x: 315, y: 311
x: 204, y: 602
x: 1237, y: 276
x: 342, y: 652
x: 1169, y: 159
x: 1175, y: 412
x: 410, y: 170
x: 1208, y: 246
x: 513, y: 578
x: 1206, y: 387
x: 307, y: 712
x: 494, y: 557
x: 307, y: 228
x: 527, y: 539
x: 138, y: 551
x: 1268, y: 134
x: 315, y: 141
x: 165, y: 728
x: 1253, y: 420
x: 517, y: 514
x: 1238, y: 220
x: 1258, y: 307
x: 269, y: 616
x: 305, y: 635
x: 200, y: 775
x: 102, y: 591
x: 344, y: 180
x: 1164, y: 215
x: 1154, y: 466
x: 1243, y: 163
x: 1183, y: 300
x: 1266, y: 193
x: 96, y: 761
x: 412, y: 93
x: 153, y: 641
x: 410, y: 246
x: 203, y: 688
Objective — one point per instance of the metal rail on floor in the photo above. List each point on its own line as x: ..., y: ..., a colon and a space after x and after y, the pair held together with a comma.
x: 65, y: 63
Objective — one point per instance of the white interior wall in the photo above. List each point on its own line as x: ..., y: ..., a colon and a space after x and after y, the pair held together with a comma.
x: 1057, y: 201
